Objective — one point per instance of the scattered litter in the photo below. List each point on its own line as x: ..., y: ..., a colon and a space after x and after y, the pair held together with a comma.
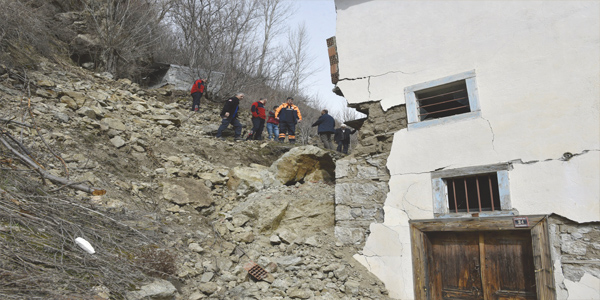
x: 85, y: 245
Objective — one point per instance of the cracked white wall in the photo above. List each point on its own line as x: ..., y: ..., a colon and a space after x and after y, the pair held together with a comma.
x: 537, y: 69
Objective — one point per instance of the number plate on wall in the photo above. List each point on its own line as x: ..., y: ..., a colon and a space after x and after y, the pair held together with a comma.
x: 521, y: 222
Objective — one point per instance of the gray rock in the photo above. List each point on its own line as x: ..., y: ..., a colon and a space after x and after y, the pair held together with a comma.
x: 571, y: 246
x: 298, y: 293
x: 281, y: 283
x: 240, y: 220
x: 69, y: 102
x: 196, y: 296
x: 207, y: 276
x: 208, y: 287
x: 114, y: 124
x: 196, y: 247
x: 274, y: 239
x: 352, y: 287
x: 249, y: 179
x: 244, y: 237
x: 287, y: 236
x: 341, y: 273
x: 286, y: 261
x: 61, y: 117
x: 117, y: 141
x: 162, y: 118
x: 187, y: 191
x: 86, y: 111
x: 156, y: 290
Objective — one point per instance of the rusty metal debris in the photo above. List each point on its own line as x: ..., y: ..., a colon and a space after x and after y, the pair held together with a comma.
x: 256, y: 271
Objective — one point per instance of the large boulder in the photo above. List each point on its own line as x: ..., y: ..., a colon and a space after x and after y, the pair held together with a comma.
x: 306, y: 163
x: 245, y: 180
x: 289, y: 210
x: 188, y: 191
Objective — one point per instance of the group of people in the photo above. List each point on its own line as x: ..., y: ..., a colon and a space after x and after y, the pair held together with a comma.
x: 281, y: 121
x: 280, y: 124
x: 326, y: 128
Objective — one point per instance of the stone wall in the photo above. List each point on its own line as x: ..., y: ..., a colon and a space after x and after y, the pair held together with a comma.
x: 362, y: 177
x: 576, y: 255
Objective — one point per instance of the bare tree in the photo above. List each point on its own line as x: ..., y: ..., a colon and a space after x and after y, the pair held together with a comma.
x: 300, y: 61
x: 274, y: 13
x: 349, y: 114
x: 219, y: 36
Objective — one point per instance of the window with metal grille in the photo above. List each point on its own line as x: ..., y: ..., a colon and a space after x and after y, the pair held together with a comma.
x: 442, y: 100
x: 473, y: 193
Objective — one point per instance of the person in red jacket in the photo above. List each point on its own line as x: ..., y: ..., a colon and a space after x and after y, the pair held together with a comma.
x: 258, y: 119
x: 197, y: 91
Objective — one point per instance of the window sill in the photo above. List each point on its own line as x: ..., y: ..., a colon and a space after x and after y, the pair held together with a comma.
x: 451, y: 119
x: 483, y: 214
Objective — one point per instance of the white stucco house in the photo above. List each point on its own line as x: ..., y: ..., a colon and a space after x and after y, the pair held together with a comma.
x: 494, y: 183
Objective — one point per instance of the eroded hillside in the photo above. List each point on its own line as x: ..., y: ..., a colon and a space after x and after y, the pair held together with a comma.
x: 183, y: 212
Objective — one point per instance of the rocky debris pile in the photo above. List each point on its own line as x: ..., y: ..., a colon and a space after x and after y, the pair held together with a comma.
x: 217, y: 204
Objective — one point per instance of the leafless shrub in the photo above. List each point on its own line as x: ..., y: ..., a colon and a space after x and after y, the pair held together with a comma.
x: 23, y: 25
x: 127, y: 31
x: 156, y: 261
x: 39, y: 224
x: 38, y: 256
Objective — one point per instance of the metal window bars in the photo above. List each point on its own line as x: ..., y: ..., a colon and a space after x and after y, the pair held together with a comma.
x: 443, y: 101
x: 471, y: 193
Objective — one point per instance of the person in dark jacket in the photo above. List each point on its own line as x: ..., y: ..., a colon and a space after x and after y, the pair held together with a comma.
x: 197, y: 91
x: 326, y: 128
x: 342, y: 138
x: 273, y: 125
x: 258, y: 119
x: 229, y: 115
x: 289, y: 115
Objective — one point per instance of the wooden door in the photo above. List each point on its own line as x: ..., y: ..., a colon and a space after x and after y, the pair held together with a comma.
x: 456, y: 265
x: 481, y: 265
x: 508, y: 270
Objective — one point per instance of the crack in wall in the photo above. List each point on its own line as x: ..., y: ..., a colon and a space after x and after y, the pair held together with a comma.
x: 406, y: 201
x: 390, y: 229
x: 565, y: 157
x: 493, y: 135
x: 420, y: 173
x: 367, y: 261
x: 378, y: 75
x: 369, y: 86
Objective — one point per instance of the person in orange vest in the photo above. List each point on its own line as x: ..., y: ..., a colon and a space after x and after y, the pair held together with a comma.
x: 289, y: 115
x: 197, y: 91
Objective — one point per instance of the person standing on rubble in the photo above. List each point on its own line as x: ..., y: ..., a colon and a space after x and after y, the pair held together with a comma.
x: 273, y: 125
x: 197, y: 91
x: 289, y: 115
x: 229, y: 115
x: 258, y: 119
x: 326, y: 128
x: 342, y: 138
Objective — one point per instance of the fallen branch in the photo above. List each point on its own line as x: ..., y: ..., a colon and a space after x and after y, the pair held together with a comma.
x: 6, y: 121
x: 53, y: 178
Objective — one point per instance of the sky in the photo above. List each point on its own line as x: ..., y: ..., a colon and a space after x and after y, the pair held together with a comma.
x: 319, y: 16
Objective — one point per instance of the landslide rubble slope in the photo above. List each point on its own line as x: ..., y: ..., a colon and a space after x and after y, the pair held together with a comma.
x: 216, y: 204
